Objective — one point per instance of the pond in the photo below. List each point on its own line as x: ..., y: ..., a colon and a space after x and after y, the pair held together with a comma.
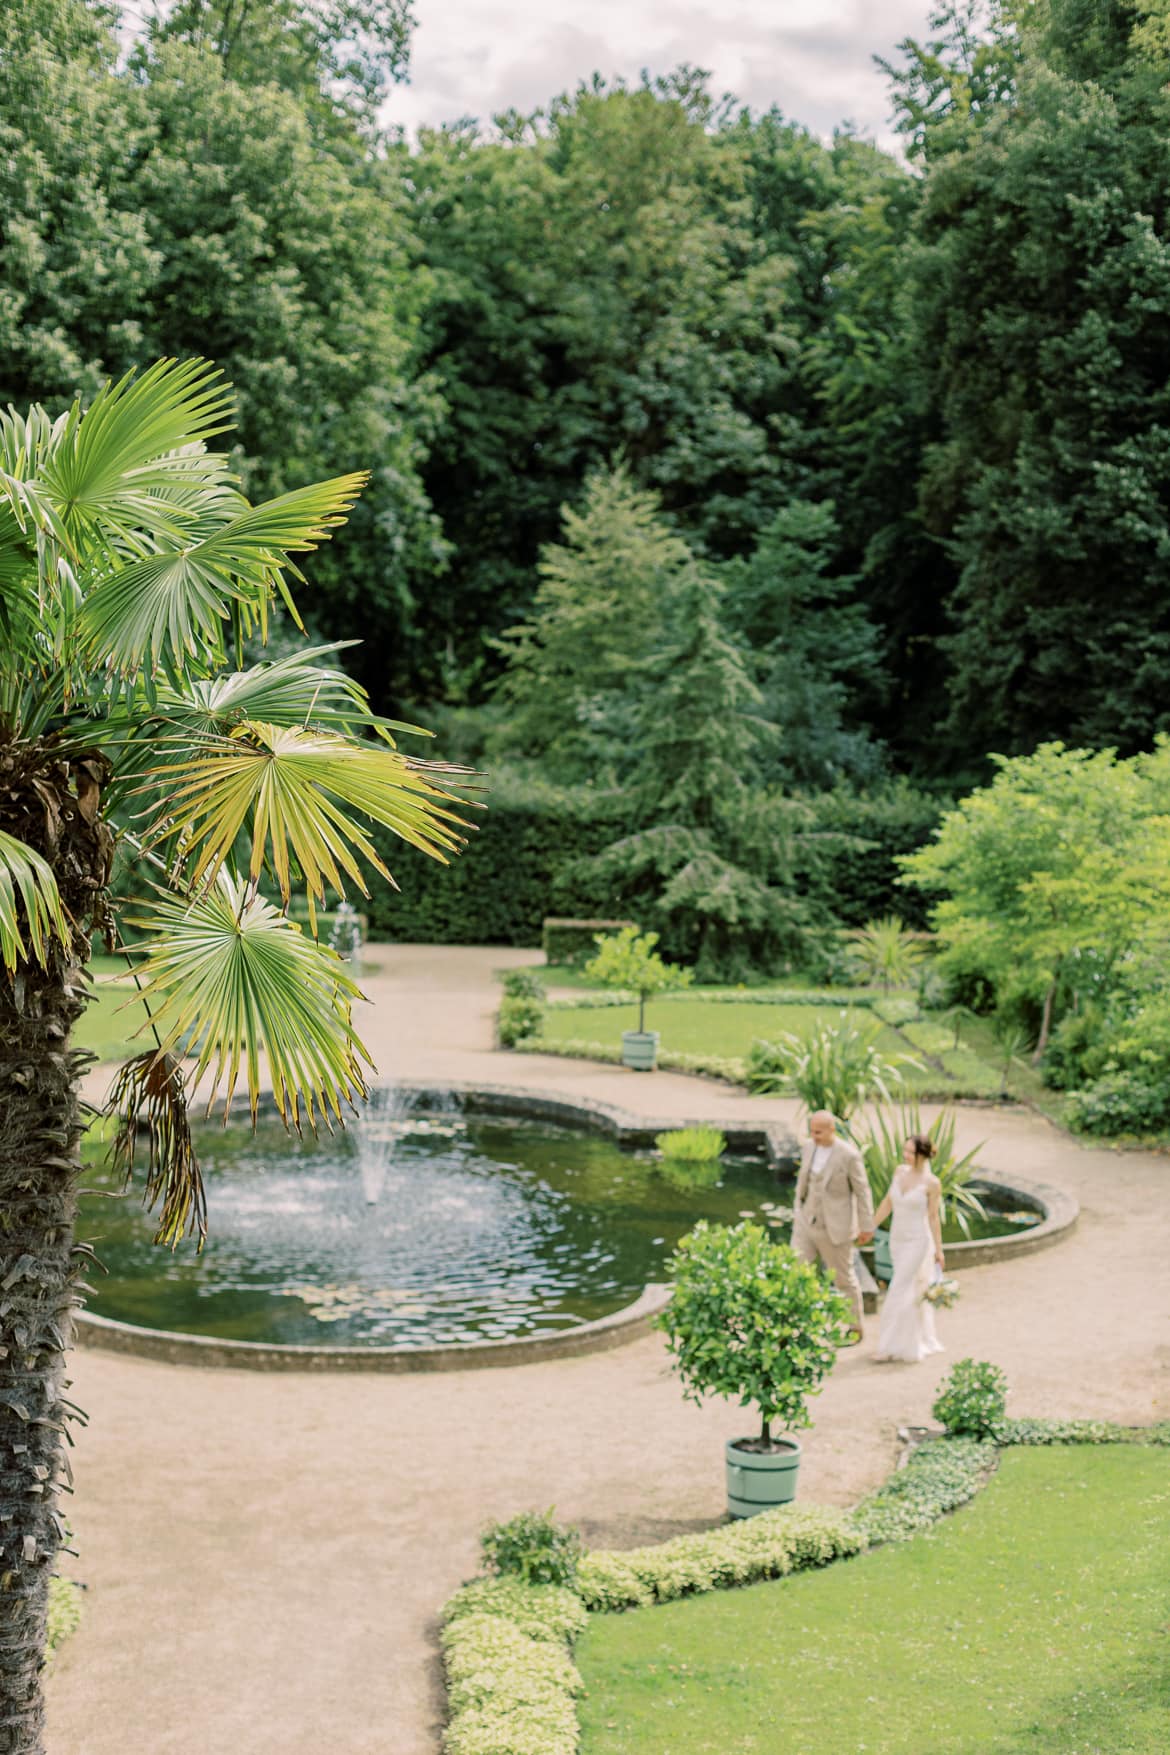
x: 478, y: 1228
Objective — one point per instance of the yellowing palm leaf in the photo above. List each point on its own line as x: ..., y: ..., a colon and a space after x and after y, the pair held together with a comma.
x: 30, y: 905
x: 294, y: 792
x: 232, y: 977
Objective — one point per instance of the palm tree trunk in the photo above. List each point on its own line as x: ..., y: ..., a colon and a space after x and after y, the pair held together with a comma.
x: 40, y: 1132
x: 52, y: 805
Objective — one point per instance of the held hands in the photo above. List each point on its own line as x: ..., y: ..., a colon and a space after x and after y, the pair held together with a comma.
x: 864, y: 1237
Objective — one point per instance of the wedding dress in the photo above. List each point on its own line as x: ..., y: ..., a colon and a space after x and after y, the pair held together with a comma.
x: 907, y: 1327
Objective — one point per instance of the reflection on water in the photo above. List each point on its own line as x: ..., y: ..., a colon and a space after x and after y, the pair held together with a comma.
x: 477, y: 1229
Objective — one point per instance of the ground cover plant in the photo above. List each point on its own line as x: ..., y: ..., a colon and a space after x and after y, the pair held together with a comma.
x: 1034, y: 1620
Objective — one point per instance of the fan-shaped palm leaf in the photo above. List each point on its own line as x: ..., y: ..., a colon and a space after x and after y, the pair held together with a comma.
x: 233, y: 977
x: 168, y: 604
x: 295, y: 791
x: 30, y: 905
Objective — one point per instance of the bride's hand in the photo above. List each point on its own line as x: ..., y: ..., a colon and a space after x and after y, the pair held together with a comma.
x: 938, y: 1256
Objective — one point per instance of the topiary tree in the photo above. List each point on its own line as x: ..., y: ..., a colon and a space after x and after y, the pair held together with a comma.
x: 750, y: 1319
x: 627, y: 961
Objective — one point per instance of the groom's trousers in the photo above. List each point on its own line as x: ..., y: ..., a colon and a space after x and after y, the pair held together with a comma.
x: 811, y: 1241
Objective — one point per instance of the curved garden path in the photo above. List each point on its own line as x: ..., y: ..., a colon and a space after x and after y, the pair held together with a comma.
x: 265, y: 1555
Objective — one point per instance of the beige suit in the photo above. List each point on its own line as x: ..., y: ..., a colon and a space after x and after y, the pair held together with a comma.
x: 831, y: 1209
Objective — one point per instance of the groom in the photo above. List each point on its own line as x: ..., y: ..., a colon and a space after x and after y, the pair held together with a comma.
x: 834, y: 1207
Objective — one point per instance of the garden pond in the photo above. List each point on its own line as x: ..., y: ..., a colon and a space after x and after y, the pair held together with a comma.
x: 432, y: 1230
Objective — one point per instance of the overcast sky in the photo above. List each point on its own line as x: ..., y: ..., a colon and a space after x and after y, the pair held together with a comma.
x: 814, y: 58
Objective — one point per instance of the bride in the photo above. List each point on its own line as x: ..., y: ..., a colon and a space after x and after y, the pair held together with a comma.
x: 907, y: 1324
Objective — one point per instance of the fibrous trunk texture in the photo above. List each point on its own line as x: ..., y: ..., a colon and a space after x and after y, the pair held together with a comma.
x: 40, y: 1133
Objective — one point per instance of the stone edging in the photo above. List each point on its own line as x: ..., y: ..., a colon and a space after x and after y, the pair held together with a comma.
x: 628, y: 1324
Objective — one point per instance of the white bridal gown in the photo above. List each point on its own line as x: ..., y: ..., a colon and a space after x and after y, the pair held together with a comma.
x: 907, y: 1327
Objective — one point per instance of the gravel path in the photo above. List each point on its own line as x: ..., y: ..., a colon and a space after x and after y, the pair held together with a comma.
x: 265, y: 1555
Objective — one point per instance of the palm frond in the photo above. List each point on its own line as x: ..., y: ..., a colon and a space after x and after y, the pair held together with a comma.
x: 151, y: 1088
x: 293, y: 792
x: 138, y: 438
x: 169, y: 604
x: 31, y: 914
x: 232, y: 977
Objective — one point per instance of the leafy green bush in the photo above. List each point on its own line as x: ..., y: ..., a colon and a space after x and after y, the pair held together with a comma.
x: 692, y: 1145
x: 523, y: 984
x: 1077, y: 1050
x: 770, y: 1545
x: 1062, y: 1432
x: 835, y: 1067
x: 750, y: 1319
x: 882, y: 1151
x: 972, y: 1400
x: 1125, y: 1101
x: 64, y: 1610
x: 575, y: 941
x: 542, y: 1611
x: 533, y: 1547
x: 628, y: 960
x: 883, y: 951
x: 518, y: 1019
x: 938, y: 1478
x: 508, y: 1693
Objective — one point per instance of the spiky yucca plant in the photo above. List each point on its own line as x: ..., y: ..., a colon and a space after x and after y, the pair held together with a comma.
x: 132, y: 571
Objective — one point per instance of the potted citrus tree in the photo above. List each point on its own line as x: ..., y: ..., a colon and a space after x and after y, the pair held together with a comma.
x: 627, y: 961
x: 750, y: 1319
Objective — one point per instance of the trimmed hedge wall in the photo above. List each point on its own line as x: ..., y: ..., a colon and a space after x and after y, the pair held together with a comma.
x: 516, y: 868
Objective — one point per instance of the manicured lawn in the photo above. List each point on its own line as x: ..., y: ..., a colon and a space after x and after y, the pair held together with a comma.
x: 110, y: 1020
x: 689, y: 1027
x: 1032, y: 1623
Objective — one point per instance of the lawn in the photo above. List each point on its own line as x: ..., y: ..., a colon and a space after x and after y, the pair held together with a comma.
x: 109, y: 1022
x: 725, y: 1029
x: 1032, y: 1623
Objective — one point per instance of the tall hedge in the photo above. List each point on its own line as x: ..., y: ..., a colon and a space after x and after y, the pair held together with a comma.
x: 518, y: 866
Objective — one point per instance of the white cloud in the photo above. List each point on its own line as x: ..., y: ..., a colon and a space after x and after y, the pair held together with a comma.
x: 813, y: 58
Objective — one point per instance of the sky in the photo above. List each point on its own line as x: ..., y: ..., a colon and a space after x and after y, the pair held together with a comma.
x: 813, y: 58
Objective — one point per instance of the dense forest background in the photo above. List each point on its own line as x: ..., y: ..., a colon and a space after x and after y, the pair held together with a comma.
x: 734, y: 495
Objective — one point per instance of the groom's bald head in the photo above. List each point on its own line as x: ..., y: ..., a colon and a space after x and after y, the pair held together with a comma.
x: 822, y: 1125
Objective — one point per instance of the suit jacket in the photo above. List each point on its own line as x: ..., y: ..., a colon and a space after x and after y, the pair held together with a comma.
x: 841, y: 1192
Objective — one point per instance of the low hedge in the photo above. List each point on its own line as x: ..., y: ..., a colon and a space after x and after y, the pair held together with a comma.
x: 937, y: 1478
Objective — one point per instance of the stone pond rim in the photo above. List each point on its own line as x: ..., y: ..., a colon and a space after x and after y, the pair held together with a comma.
x: 1058, y: 1210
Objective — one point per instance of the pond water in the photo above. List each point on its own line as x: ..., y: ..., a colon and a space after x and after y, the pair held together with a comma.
x: 478, y: 1229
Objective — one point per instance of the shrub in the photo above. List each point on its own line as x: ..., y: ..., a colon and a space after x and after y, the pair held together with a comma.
x: 534, y: 1548
x: 1061, y: 1432
x: 885, y: 952
x: 575, y: 941
x: 629, y: 961
x: 972, y: 1400
x: 784, y: 1539
x: 836, y: 1067
x: 523, y: 984
x: 542, y: 1611
x: 518, y: 1019
x: 750, y: 1319
x: 882, y: 1151
x: 690, y: 1156
x: 938, y: 1478
x: 1122, y: 1101
x: 508, y: 1693
x: 1077, y: 1050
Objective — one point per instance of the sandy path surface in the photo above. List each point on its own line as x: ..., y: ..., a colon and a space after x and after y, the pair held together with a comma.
x: 265, y: 1555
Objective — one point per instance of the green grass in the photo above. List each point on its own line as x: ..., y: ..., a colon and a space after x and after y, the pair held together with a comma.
x: 689, y: 1027
x: 108, y: 1024
x: 1032, y: 1623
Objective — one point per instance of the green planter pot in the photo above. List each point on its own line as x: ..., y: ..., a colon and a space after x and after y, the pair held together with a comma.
x: 640, y: 1049
x: 756, y: 1480
x: 883, y: 1266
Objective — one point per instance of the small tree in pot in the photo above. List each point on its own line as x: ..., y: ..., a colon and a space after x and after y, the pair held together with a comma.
x: 750, y: 1319
x: 627, y: 961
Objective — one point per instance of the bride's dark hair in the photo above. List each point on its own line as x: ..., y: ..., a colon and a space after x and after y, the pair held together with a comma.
x: 923, y: 1145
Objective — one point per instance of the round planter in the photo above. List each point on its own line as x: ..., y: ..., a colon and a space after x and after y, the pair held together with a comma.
x: 640, y: 1049
x: 883, y: 1262
x: 757, y: 1479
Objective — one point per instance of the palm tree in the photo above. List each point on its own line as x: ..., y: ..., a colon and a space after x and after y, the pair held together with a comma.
x: 132, y: 571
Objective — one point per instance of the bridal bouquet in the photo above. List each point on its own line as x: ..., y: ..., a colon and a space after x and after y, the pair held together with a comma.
x: 941, y: 1293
